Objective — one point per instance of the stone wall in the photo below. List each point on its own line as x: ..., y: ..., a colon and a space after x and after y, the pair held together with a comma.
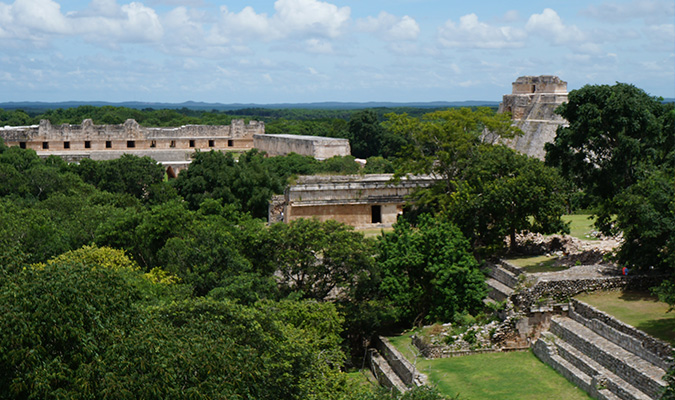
x: 563, y: 290
x: 532, y: 103
x: 634, y: 340
x: 318, y: 147
x: 130, y: 137
x: 403, y: 368
x: 358, y: 200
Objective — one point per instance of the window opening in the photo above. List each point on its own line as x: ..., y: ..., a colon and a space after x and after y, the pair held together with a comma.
x: 230, y: 143
x: 131, y: 143
x: 45, y: 145
x: 66, y: 145
x: 153, y: 144
x: 108, y: 144
x: 192, y: 143
x: 172, y: 144
x: 211, y: 143
x: 22, y: 145
x: 87, y: 144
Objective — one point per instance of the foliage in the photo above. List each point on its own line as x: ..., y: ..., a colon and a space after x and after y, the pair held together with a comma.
x: 365, y: 134
x: 316, y: 258
x: 619, y: 148
x: 646, y: 216
x: 73, y: 330
x: 247, y: 184
x: 614, y: 133
x: 57, y: 322
x: 128, y: 174
x: 428, y: 271
x: 489, y: 191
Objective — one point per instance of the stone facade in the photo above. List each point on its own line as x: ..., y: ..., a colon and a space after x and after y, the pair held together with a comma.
x: 532, y: 103
x: 362, y: 201
x: 318, y: 147
x: 171, y: 147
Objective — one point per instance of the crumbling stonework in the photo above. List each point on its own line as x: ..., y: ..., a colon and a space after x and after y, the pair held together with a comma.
x: 362, y: 201
x: 532, y: 104
x: 318, y: 147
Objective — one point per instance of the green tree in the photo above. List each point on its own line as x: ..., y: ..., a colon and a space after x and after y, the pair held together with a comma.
x: 488, y: 190
x: 57, y: 321
x: 316, y: 258
x: 365, y: 134
x: 428, y: 271
x: 613, y: 133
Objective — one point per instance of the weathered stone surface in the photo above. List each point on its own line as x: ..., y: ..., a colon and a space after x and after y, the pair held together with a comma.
x: 362, y: 201
x: 318, y: 147
x: 532, y: 104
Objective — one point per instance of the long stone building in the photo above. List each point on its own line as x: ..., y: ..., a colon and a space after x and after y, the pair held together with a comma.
x: 171, y: 147
x: 532, y: 103
x: 362, y: 201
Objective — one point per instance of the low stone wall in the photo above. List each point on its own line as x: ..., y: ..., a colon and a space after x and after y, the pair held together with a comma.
x: 563, y: 290
x: 607, y: 358
x: 383, y: 373
x: 316, y: 146
x: 634, y: 340
x: 431, y: 351
x: 546, y: 353
x: 405, y: 370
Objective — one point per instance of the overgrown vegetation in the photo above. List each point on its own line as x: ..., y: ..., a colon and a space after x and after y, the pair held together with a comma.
x: 116, y: 282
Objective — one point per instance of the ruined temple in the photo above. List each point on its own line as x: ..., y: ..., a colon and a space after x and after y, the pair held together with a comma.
x: 172, y: 147
x: 362, y: 201
x: 532, y: 103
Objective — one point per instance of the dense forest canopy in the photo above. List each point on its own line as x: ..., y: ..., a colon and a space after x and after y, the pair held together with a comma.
x: 116, y: 282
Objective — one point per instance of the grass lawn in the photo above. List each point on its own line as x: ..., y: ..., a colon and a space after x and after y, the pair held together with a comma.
x: 535, y: 264
x: 373, y: 232
x: 503, y: 376
x: 581, y: 226
x: 639, y: 309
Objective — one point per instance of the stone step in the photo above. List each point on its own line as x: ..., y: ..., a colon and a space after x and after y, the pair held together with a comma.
x: 608, y: 379
x: 497, y: 290
x: 632, y: 343
x: 545, y: 349
x: 502, y: 275
x: 643, y: 375
x: 384, y: 374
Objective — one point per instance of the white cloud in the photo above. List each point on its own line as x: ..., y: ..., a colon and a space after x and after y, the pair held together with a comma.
x: 39, y: 15
x: 471, y: 33
x: 549, y: 25
x: 310, y: 16
x: 319, y: 46
x: 651, y: 11
x: 661, y: 37
x: 246, y: 23
x: 390, y: 27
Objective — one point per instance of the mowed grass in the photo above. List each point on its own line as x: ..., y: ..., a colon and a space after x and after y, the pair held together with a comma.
x: 581, y: 226
x: 639, y: 309
x: 535, y: 264
x: 504, y: 376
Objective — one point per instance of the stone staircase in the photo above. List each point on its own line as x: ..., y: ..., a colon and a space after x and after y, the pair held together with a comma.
x: 606, y: 362
x: 501, y: 281
x: 392, y: 369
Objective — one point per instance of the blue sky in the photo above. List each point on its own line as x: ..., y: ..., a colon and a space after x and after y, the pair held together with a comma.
x: 309, y: 50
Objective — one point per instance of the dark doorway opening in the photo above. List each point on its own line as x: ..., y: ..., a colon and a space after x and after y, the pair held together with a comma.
x: 376, y: 214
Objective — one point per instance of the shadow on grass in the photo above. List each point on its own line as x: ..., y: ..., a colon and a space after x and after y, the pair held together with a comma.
x: 638, y: 295
x: 661, y: 328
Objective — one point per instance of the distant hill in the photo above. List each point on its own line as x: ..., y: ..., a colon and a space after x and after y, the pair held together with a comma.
x: 193, y: 105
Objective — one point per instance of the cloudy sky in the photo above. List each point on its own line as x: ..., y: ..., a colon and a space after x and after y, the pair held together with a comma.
x: 335, y: 50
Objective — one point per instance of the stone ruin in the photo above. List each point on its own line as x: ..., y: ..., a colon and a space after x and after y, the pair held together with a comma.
x: 532, y: 104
